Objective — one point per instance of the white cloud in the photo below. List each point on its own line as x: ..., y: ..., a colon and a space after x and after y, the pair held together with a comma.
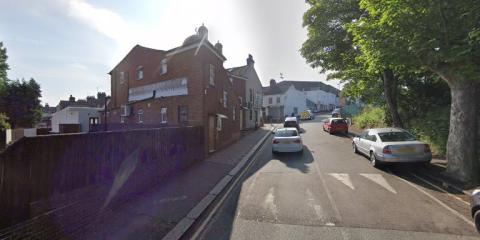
x: 102, y: 20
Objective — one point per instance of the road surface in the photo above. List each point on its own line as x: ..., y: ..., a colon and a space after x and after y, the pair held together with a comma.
x: 331, y: 193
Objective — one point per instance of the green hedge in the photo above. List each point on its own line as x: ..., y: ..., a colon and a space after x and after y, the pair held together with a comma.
x: 370, y: 117
x: 433, y: 128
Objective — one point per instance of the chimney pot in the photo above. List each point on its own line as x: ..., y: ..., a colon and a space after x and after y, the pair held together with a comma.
x: 250, y: 61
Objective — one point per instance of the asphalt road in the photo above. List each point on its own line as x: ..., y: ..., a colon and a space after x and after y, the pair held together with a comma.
x: 331, y: 193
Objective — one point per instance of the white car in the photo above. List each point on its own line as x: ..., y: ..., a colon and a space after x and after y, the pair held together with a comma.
x: 384, y: 145
x: 287, y: 140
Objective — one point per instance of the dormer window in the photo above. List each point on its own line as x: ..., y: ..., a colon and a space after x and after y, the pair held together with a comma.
x: 140, y: 73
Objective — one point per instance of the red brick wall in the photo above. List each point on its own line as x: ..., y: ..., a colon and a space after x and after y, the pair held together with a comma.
x: 203, y: 100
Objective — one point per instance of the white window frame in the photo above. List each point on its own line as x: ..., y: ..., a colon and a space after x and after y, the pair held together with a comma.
x: 139, y: 73
x: 122, y: 77
x: 122, y: 119
x: 212, y: 75
x: 163, y: 115
x: 163, y: 66
x: 225, y: 99
x: 219, y: 123
x: 140, y: 115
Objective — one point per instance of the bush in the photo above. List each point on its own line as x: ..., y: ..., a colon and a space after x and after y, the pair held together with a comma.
x: 433, y: 128
x: 370, y: 117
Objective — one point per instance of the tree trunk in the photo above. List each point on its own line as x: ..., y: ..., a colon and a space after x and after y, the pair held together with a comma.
x: 390, y: 89
x: 461, y: 144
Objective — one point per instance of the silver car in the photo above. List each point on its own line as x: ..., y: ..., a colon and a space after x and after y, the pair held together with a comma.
x: 287, y: 140
x: 385, y: 145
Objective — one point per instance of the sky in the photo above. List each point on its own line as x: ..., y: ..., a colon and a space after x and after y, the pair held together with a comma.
x: 69, y: 46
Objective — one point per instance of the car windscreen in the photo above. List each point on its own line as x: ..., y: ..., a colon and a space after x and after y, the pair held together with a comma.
x: 396, y: 136
x: 286, y: 133
x: 338, y: 121
x: 290, y: 124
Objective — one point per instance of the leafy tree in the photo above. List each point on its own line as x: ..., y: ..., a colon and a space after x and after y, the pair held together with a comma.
x: 3, y: 64
x: 23, y: 103
x: 330, y: 47
x: 443, y: 37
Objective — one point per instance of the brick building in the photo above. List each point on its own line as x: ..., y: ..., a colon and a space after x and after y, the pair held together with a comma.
x: 187, y: 85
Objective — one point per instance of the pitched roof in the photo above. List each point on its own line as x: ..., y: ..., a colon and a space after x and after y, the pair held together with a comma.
x: 239, y: 71
x: 275, y: 89
x: 283, y: 86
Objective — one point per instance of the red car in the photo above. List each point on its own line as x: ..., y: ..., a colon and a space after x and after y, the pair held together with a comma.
x: 335, y: 125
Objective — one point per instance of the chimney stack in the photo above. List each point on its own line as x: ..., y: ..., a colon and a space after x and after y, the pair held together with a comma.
x: 272, y: 82
x: 219, y: 47
x: 71, y: 98
x: 250, y: 61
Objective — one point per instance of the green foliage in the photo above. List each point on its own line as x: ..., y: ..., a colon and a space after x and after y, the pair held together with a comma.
x: 430, y: 34
x: 371, y: 117
x: 3, y: 122
x: 432, y: 128
x: 3, y: 63
x: 22, y: 103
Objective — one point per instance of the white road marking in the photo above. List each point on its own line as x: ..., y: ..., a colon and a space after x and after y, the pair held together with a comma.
x: 378, y: 179
x: 344, y: 178
x: 440, y: 189
x: 269, y: 203
x: 173, y: 199
x: 318, y: 209
x: 438, y: 201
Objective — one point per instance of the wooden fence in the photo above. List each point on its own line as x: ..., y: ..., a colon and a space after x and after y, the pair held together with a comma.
x: 43, y: 167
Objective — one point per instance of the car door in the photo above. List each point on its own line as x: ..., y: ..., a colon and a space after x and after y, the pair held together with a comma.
x: 362, y: 141
x: 370, y: 141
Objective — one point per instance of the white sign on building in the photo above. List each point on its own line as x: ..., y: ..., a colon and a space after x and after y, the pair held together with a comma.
x: 175, y: 87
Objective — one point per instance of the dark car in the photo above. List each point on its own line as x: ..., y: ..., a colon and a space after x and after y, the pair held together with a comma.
x: 475, y: 204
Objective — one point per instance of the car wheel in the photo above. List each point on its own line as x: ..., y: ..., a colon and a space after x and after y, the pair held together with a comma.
x: 476, y: 218
x: 330, y: 131
x: 355, y: 150
x: 373, y: 160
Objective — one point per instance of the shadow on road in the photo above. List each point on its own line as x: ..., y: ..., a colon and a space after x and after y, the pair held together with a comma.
x: 296, y: 160
x: 221, y: 225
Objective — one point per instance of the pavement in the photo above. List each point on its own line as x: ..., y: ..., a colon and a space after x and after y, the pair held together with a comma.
x: 154, y: 214
x: 331, y: 193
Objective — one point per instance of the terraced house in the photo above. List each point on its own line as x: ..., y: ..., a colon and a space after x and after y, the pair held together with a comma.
x: 183, y: 86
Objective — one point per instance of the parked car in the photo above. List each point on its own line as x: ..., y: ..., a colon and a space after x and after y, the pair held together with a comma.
x: 335, y: 125
x: 287, y: 140
x: 291, y: 122
x: 475, y: 204
x: 307, y: 115
x: 385, y: 145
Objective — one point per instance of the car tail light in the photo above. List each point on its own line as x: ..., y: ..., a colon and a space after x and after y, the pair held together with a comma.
x: 387, y: 150
x: 275, y: 141
x: 427, y: 148
x: 297, y: 141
